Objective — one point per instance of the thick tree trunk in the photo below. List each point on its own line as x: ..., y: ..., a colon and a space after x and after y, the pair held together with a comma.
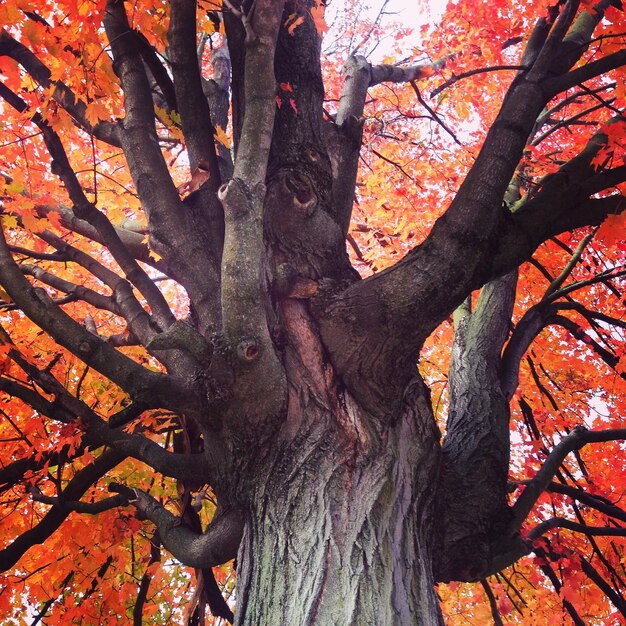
x: 340, y: 529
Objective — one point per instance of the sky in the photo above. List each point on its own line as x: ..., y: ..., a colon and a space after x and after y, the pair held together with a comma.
x: 404, y: 12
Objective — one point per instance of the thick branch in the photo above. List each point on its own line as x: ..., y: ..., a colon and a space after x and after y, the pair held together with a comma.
x: 586, y: 72
x: 192, y: 104
x: 344, y: 138
x: 218, y: 544
x: 404, y: 73
x: 171, y: 223
x: 259, y: 92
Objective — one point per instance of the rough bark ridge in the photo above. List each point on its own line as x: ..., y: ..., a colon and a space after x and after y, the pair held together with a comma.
x: 294, y: 379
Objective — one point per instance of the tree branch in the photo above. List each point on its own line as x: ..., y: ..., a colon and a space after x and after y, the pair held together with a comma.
x: 75, y: 489
x: 98, y: 433
x: 84, y: 209
x: 162, y: 78
x: 192, y: 104
x: 595, y: 502
x: 79, y: 291
x: 171, y: 223
x: 561, y: 522
x: 218, y: 544
x: 89, y: 508
x: 141, y: 383
x: 578, y: 438
x: 105, y: 131
x: 603, y: 585
x: 259, y: 93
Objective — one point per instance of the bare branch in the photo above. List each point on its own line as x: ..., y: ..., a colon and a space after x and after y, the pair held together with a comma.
x: 561, y: 522
x: 480, y: 70
x: 567, y: 270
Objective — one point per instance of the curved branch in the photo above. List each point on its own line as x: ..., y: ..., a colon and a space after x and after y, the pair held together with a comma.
x: 89, y: 508
x: 480, y: 70
x: 218, y: 544
x: 132, y: 241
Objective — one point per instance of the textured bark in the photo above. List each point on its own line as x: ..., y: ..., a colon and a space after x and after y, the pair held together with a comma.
x: 476, y: 451
x: 341, y: 523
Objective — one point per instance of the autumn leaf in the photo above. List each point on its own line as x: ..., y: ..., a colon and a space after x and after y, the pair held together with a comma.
x: 318, y: 14
x: 222, y: 137
x: 293, y: 21
x: 199, y: 176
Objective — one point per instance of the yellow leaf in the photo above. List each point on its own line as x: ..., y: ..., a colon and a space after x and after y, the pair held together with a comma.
x: 222, y: 137
x: 9, y: 221
x: 14, y: 187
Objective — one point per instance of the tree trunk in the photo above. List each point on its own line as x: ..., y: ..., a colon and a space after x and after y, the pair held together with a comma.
x: 340, y: 521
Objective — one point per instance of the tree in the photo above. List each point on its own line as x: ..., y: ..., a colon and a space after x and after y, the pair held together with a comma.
x: 183, y: 324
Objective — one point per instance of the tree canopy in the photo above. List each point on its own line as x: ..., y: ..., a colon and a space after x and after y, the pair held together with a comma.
x: 251, y: 247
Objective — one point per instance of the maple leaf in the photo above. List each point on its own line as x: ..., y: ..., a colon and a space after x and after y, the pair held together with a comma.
x: 318, y: 14
x: 222, y: 137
